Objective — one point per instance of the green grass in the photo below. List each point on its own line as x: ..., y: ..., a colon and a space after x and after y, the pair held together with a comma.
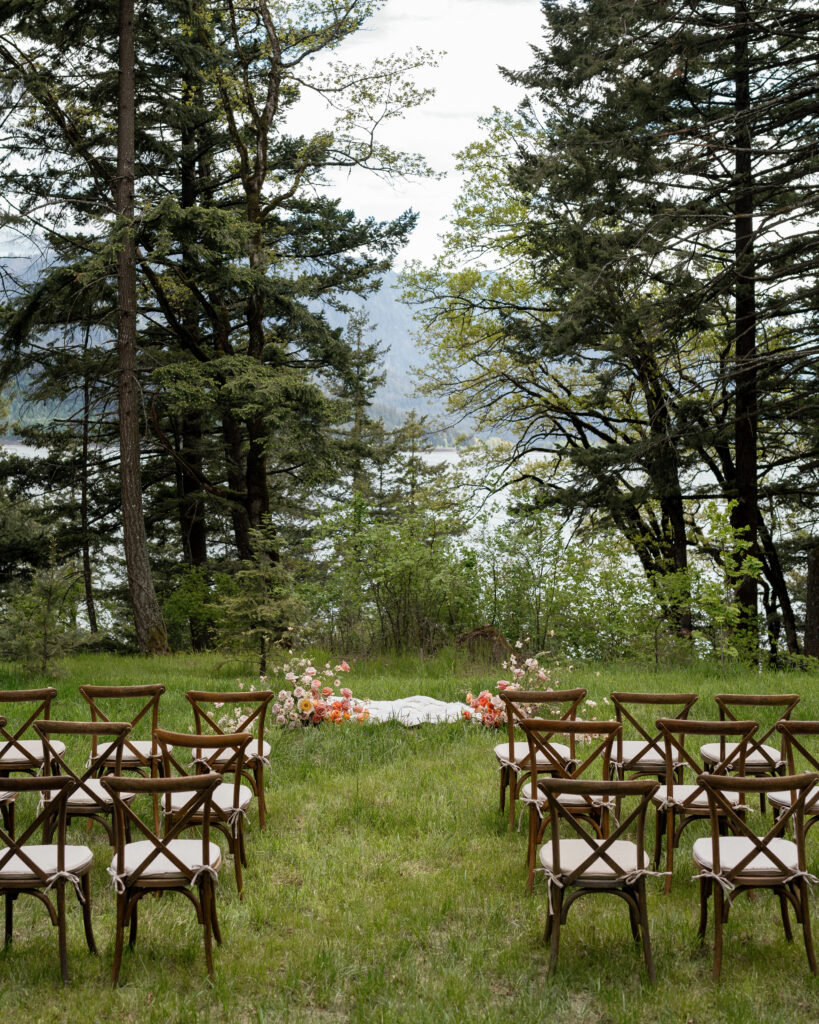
x: 386, y: 887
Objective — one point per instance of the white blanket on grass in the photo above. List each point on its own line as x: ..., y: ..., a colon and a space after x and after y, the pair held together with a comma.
x: 411, y: 711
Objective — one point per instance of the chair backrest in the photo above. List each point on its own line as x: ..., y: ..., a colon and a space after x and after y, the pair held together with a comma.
x: 717, y: 785
x: 10, y: 735
x: 252, y: 707
x: 634, y: 708
x: 57, y: 762
x: 196, y: 812
x: 612, y: 791
x: 797, y: 745
x: 781, y: 704
x: 561, y: 704
x: 15, y: 846
x: 205, y: 756
x: 734, y: 738
x: 141, y: 701
x: 540, y: 732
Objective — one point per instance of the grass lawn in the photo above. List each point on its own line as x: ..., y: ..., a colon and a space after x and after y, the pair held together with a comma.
x: 386, y: 887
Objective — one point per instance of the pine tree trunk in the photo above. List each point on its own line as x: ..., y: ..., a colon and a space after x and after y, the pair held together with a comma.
x: 150, y: 626
x: 812, y: 605
x: 87, y: 575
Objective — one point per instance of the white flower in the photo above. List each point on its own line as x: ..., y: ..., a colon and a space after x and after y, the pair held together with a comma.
x: 518, y: 644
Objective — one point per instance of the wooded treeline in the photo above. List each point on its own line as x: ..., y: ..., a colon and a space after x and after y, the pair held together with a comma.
x: 628, y: 290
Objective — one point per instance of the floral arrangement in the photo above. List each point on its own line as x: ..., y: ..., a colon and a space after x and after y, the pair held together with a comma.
x: 315, y: 695
x: 488, y: 709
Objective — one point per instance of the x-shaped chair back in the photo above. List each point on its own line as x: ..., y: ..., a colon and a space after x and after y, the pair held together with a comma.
x: 143, y: 702
x: 53, y: 793
x: 196, y: 812
x: 734, y: 738
x: 562, y: 705
x: 540, y: 732
x: 732, y: 704
x: 203, y: 752
x: 57, y: 761
x: 632, y: 708
x: 800, y: 749
x: 13, y: 754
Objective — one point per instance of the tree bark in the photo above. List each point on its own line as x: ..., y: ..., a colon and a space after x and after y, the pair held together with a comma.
x: 150, y: 627
x: 812, y: 605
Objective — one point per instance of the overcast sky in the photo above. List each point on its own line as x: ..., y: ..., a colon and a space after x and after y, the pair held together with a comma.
x: 477, y: 35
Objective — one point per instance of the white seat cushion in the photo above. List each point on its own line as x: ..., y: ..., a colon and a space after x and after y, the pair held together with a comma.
x: 711, y: 752
x: 189, y: 851
x: 145, y: 748
x: 522, y: 753
x: 222, y: 798
x: 33, y: 752
x: 782, y: 798
x: 77, y: 860
x: 733, y: 848
x: 700, y: 802
x: 637, y: 754
x: 7, y: 798
x: 252, y: 749
x: 573, y: 852
x: 564, y: 799
x: 97, y: 797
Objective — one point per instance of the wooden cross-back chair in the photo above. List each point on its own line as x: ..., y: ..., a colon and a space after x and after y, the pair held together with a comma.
x: 513, y: 755
x: 729, y: 864
x: 587, y: 863
x: 253, y: 705
x: 38, y: 868
x: 595, y: 808
x: 164, y: 863
x: 18, y: 754
x: 85, y: 797
x: 230, y: 800
x: 7, y: 800
x: 800, y: 749
x: 760, y: 758
x: 678, y: 804
x: 645, y: 756
x: 141, y: 703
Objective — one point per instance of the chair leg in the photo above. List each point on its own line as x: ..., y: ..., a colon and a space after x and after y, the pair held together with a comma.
x: 634, y: 921
x: 85, y: 903
x: 132, y: 931
x: 259, y: 772
x: 669, y: 850
x: 806, y: 931
x: 504, y: 772
x: 642, y: 903
x: 513, y: 795
x: 719, y: 900
x: 237, y: 844
x: 705, y: 893
x: 557, y: 912
x: 217, y: 931
x: 532, y: 848
x: 786, y: 921
x: 61, y: 931
x: 119, y: 938
x: 9, y: 917
x: 206, y: 899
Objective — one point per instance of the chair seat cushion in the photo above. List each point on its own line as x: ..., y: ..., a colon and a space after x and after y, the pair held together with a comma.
x: 7, y: 798
x: 77, y: 860
x: 733, y: 848
x: 638, y: 755
x: 683, y: 792
x: 227, y: 754
x: 143, y: 751
x: 711, y: 752
x: 97, y: 797
x: 189, y: 851
x: 565, y: 799
x: 521, y: 753
x: 573, y: 852
x: 222, y: 797
x: 782, y: 798
x: 33, y: 752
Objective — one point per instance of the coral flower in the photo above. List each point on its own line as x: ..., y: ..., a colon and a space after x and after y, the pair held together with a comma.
x: 327, y: 691
x: 346, y: 692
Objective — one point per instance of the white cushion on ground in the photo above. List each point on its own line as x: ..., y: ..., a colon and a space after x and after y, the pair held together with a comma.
x: 33, y: 750
x: 683, y: 792
x: 573, y: 852
x: 565, y: 799
x: 646, y: 756
x: 227, y: 754
x: 733, y: 848
x: 712, y: 753
x: 189, y: 851
x: 77, y: 861
x: 222, y: 797
x: 782, y: 798
x: 522, y: 752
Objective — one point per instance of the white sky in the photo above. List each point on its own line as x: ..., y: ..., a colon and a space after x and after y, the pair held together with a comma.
x: 477, y: 36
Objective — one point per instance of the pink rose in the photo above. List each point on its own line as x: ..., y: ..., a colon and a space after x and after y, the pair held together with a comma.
x: 346, y: 692
x: 327, y: 691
